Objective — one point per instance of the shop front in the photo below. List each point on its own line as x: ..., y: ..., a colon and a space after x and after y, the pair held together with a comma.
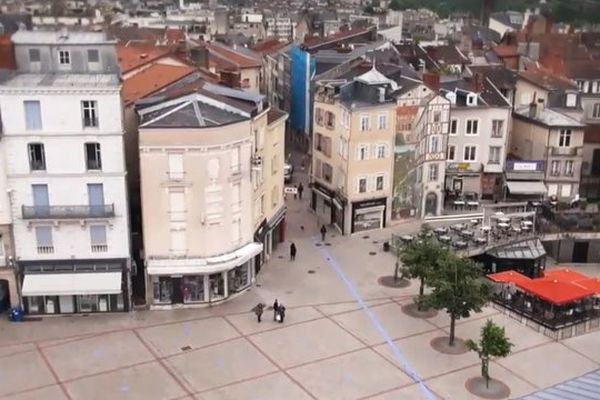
x: 369, y: 214
x: 322, y: 202
x: 193, y: 281
x: 338, y: 215
x: 65, y: 288
x: 463, y: 178
x: 272, y: 233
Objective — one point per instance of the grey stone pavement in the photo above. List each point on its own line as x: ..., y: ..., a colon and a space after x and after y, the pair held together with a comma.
x: 328, y: 348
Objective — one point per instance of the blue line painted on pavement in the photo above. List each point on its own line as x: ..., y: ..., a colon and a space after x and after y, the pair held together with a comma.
x: 375, y: 321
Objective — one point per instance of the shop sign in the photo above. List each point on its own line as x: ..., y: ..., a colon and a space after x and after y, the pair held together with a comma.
x: 369, y: 203
x: 526, y: 166
x: 463, y: 167
x: 290, y: 190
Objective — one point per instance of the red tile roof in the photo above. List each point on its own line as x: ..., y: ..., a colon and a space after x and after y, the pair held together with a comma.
x: 508, y: 277
x: 7, y: 53
x: 222, y: 55
x: 151, y: 80
x: 545, y: 78
x: 269, y: 46
x: 135, y: 56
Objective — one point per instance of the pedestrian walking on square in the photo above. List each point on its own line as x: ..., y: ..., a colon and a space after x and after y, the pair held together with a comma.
x: 275, y: 309
x: 300, y: 190
x: 281, y: 313
x: 292, y: 251
x: 323, y: 233
x: 258, y: 310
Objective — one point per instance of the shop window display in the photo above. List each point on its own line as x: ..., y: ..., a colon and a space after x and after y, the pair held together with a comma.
x: 193, y: 289
x: 163, y: 289
x: 239, y: 278
x: 217, y: 287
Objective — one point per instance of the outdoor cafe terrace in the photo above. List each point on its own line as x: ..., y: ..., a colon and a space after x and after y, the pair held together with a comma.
x: 558, y: 299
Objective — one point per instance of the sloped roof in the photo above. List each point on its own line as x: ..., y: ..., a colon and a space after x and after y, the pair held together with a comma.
x: 549, y: 117
x: 241, y: 58
x: 151, y: 80
x: 135, y: 56
x: 523, y: 250
x: 269, y: 46
x: 547, y: 79
x: 374, y: 77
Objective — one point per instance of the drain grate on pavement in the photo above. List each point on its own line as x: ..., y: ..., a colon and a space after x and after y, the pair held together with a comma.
x: 318, y: 244
x: 311, y: 271
x: 186, y: 348
x: 327, y: 244
x: 366, y: 237
x: 372, y: 253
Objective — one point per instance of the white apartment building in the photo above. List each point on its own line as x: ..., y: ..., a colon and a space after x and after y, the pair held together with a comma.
x: 65, y: 171
x: 8, y: 287
x: 279, y: 26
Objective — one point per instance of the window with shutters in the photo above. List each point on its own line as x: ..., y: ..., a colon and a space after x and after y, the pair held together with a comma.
x: 569, y: 170
x: 177, y: 209
x: 382, y: 121
x: 175, y: 166
x: 363, y: 152
x: 43, y: 236
x: 555, y: 168
x: 381, y: 150
x: 364, y: 123
x: 98, y: 238
x: 33, y: 115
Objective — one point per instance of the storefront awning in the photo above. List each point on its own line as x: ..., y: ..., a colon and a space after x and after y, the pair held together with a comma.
x: 72, y: 284
x: 191, y: 266
x: 526, y: 187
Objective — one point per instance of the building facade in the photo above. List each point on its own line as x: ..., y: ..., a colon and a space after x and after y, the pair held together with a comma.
x: 63, y: 142
x: 206, y: 194
x: 353, y: 158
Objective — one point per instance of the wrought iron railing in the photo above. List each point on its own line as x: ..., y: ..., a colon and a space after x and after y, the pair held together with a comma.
x: 51, y: 212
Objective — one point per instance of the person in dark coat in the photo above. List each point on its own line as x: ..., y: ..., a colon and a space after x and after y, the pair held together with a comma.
x: 258, y: 310
x: 275, y: 309
x: 323, y: 233
x: 300, y: 190
x: 292, y: 251
x: 281, y: 313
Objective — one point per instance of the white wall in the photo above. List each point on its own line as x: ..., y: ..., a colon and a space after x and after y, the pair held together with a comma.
x: 66, y: 176
x: 5, y: 217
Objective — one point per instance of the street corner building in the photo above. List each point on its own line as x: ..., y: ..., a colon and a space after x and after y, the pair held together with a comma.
x: 62, y: 144
x: 211, y: 167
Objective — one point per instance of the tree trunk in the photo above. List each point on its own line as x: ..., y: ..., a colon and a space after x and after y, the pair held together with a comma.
x: 485, y: 371
x: 396, y: 272
x: 452, y: 328
x: 421, y: 291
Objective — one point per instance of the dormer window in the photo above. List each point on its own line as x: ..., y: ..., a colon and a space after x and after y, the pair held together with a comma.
x: 571, y: 100
x: 471, y: 99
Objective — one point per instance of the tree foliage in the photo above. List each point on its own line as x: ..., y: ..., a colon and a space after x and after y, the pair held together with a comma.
x: 493, y: 343
x: 419, y: 260
x: 457, y: 288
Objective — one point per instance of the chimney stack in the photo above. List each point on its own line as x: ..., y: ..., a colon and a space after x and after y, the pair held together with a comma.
x: 539, y: 108
x: 432, y: 81
x: 478, y: 82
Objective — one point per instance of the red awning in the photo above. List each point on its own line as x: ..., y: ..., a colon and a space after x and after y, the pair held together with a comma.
x: 555, y: 291
x: 508, y: 277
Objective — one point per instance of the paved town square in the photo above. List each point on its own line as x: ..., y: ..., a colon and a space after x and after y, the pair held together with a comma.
x: 331, y: 346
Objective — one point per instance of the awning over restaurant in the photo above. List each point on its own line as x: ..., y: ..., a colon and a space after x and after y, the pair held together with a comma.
x: 526, y: 187
x: 72, y: 284
x: 210, y: 265
x: 555, y: 291
x: 508, y: 277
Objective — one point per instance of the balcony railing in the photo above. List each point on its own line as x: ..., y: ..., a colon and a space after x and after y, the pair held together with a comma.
x: 99, y: 248
x: 45, y: 249
x: 565, y: 151
x: 67, y: 212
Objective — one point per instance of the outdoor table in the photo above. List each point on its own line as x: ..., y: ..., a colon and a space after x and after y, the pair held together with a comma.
x: 460, y: 244
x: 481, y: 240
x: 526, y: 223
x: 472, y: 204
x: 458, y: 227
x: 504, y: 220
x: 458, y: 204
x: 467, y: 233
x: 445, y: 239
x: 486, y: 228
x: 516, y: 229
x: 440, y: 231
x: 504, y: 225
x: 526, y: 228
x: 474, y: 222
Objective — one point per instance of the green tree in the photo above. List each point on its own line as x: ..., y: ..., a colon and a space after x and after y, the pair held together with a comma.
x: 493, y: 343
x: 419, y: 260
x: 457, y: 288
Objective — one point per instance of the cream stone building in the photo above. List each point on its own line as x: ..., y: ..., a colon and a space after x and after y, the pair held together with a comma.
x: 353, y: 159
x: 211, y: 163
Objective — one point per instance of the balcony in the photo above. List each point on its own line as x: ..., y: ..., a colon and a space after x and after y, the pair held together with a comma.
x: 68, y: 212
x: 565, y: 151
